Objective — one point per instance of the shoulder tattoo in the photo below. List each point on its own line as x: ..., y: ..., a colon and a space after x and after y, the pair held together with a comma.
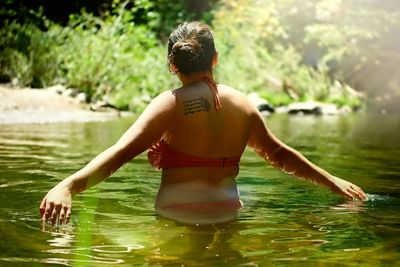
x: 195, y: 105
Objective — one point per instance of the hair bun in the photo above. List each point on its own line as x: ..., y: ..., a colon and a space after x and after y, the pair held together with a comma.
x: 185, y: 50
x: 191, y: 48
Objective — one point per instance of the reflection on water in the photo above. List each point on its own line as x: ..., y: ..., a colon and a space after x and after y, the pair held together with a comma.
x: 284, y: 220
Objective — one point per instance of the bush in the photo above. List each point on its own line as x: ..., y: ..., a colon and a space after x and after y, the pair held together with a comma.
x: 262, y: 47
x: 109, y: 58
x: 115, y: 58
x: 28, y: 55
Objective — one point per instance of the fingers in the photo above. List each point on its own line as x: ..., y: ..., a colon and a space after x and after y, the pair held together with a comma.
x: 356, y: 192
x: 347, y: 195
x: 361, y: 193
x: 42, y: 207
x: 53, y: 212
x: 62, y: 215
x: 65, y: 214
x: 68, y: 215
x: 48, y: 210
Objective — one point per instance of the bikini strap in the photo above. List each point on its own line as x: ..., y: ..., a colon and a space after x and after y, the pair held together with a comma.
x: 214, y: 90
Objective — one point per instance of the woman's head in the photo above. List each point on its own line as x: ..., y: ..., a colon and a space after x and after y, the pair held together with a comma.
x: 191, y: 48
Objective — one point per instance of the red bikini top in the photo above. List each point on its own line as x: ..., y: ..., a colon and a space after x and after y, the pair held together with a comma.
x: 162, y: 155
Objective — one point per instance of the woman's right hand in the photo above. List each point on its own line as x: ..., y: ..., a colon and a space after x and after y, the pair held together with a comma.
x: 347, y: 189
x: 57, y: 204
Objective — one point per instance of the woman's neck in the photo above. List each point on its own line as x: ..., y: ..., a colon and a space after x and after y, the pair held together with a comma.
x: 193, y: 78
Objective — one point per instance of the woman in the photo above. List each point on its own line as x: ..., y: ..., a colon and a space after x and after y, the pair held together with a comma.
x: 196, y: 135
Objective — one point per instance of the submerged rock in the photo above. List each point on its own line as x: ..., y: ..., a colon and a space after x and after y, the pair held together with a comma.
x: 313, y: 108
x: 265, y: 107
x: 304, y: 108
x: 260, y: 103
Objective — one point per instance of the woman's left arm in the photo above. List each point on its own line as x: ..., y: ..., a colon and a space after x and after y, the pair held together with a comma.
x: 291, y: 161
x: 149, y: 127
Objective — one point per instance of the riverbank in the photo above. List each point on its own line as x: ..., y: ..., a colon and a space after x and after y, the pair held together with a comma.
x: 58, y: 104
x: 41, y: 106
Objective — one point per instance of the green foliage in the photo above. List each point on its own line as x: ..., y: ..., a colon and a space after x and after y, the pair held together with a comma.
x: 238, y: 27
x: 276, y: 98
x: 28, y: 55
x: 354, y: 40
x: 113, y: 57
x: 305, y: 47
x: 253, y: 46
x: 287, y: 50
x: 110, y: 57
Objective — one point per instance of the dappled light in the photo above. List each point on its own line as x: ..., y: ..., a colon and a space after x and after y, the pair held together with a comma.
x: 332, y: 51
x: 230, y: 110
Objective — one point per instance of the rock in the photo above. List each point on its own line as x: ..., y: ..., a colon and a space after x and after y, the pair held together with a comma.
x: 304, y: 108
x: 345, y: 110
x: 260, y: 103
x: 266, y: 107
x: 102, y: 105
x: 81, y: 98
x: 70, y: 92
x: 313, y: 108
x: 58, y: 89
x: 329, y: 109
x: 14, y: 82
x: 282, y: 109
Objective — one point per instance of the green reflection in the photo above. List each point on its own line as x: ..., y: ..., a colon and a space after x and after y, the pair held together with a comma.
x: 285, y: 221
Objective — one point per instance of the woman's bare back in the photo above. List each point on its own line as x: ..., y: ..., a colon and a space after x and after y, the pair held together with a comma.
x: 204, y: 131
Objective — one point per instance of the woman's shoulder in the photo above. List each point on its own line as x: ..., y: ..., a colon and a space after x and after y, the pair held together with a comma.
x: 235, y: 96
x: 165, y: 96
x: 165, y: 101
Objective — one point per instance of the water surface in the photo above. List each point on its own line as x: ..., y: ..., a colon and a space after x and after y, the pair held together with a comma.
x: 285, y: 221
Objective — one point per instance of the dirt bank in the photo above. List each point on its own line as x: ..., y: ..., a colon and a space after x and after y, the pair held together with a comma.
x: 26, y: 106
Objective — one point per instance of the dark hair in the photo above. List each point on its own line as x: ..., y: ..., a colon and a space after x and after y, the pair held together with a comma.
x: 191, y: 47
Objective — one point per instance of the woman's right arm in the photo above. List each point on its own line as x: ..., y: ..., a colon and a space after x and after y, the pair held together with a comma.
x: 291, y: 161
x: 148, y: 128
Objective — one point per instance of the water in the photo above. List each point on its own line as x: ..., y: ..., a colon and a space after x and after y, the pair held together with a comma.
x: 285, y: 221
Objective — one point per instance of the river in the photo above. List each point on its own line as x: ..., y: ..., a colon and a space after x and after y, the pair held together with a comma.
x: 284, y: 220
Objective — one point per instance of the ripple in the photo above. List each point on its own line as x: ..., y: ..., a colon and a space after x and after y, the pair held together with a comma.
x: 17, y: 183
x: 117, y: 248
x: 62, y: 261
x: 283, y: 219
x: 99, y: 248
x: 34, y: 260
x: 89, y: 262
x: 300, y: 242
x: 25, y: 143
x: 291, y: 259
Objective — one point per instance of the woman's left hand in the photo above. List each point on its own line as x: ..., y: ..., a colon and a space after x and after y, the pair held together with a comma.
x: 347, y: 189
x: 57, y: 205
